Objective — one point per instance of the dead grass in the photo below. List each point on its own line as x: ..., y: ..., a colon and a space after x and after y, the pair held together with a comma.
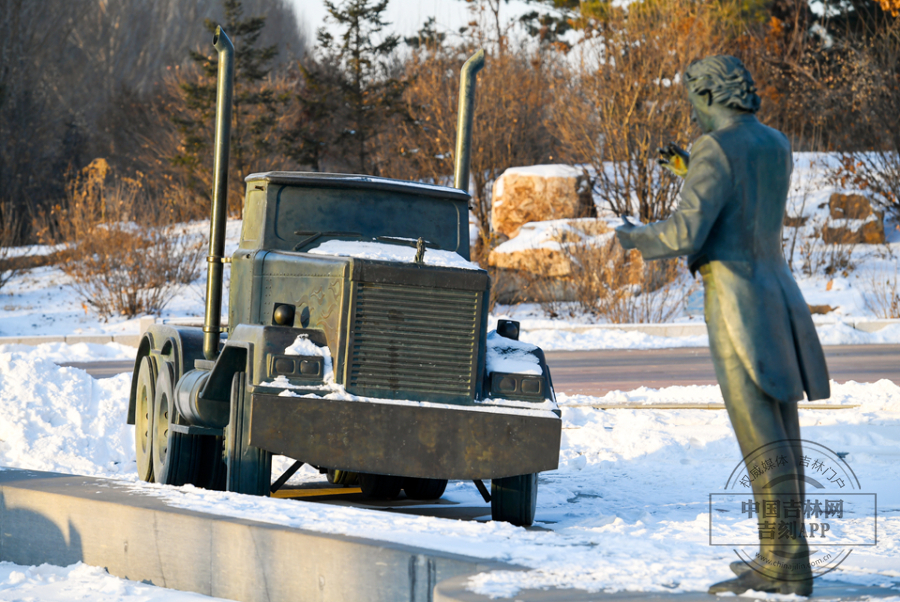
x: 881, y: 292
x: 619, y: 287
x: 9, y: 230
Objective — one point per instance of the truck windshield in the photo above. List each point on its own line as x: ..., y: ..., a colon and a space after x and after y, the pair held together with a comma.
x: 300, y: 211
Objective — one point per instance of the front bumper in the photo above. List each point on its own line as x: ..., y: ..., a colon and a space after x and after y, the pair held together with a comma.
x: 406, y: 438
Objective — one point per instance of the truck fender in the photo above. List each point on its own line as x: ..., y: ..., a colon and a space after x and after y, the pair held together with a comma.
x: 233, y: 359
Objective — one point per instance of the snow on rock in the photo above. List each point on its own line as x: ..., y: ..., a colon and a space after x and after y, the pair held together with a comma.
x: 513, y: 357
x: 79, y: 581
x: 394, y: 253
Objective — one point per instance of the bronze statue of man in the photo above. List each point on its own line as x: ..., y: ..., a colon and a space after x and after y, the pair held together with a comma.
x: 762, y: 339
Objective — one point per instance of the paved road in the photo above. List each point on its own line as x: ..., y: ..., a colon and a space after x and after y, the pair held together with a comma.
x: 598, y: 372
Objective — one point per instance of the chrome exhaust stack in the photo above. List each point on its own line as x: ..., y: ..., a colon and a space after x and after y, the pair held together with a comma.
x: 464, y: 124
x: 215, y: 258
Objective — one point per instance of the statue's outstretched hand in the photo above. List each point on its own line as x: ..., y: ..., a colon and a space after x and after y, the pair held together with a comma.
x: 624, y: 232
x: 674, y: 158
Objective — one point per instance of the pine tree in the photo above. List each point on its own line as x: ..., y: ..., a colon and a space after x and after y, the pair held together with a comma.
x: 348, y: 95
x: 256, y: 106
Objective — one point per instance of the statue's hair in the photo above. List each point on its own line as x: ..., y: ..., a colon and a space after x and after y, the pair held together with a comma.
x: 726, y: 80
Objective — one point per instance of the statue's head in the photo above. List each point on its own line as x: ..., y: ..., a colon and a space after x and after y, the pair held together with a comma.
x: 719, y: 83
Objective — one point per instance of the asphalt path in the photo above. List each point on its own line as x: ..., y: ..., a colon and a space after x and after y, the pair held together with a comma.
x: 599, y: 372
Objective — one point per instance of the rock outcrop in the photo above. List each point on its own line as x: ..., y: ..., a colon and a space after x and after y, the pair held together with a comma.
x: 539, y: 193
x: 853, y: 221
x: 536, y: 265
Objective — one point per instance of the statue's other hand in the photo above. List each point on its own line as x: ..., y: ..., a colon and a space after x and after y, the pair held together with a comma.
x: 674, y: 158
x: 623, y: 233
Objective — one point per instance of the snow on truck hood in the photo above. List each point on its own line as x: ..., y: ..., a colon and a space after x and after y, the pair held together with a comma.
x: 387, y: 252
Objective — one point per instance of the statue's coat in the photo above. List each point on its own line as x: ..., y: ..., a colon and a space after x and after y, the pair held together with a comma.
x: 730, y: 220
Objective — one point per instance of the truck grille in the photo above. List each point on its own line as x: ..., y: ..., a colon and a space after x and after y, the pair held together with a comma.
x: 414, y: 342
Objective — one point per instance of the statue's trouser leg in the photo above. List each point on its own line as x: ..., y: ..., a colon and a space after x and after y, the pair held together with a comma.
x: 762, y: 422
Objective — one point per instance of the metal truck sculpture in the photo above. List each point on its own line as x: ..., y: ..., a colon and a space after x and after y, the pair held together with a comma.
x: 382, y: 368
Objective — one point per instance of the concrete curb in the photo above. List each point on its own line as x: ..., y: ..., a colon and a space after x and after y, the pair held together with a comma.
x: 62, y: 519
x: 132, y: 340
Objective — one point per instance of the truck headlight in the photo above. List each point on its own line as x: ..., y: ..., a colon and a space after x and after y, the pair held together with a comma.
x: 514, y: 386
x: 296, y: 366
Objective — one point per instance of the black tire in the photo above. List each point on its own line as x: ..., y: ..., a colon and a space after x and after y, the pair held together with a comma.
x: 424, y: 489
x: 514, y: 499
x: 143, y: 419
x: 379, y: 486
x: 249, y: 469
x: 176, y: 456
x: 213, y: 470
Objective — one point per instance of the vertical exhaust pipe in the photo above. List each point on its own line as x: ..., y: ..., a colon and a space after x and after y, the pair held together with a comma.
x: 464, y: 124
x: 216, y: 259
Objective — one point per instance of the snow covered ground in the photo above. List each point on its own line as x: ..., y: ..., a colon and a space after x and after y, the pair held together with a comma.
x: 627, y: 508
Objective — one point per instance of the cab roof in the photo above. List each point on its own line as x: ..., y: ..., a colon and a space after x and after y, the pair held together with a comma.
x: 336, y: 180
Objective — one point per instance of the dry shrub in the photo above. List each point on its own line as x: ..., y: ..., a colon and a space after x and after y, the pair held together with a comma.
x: 882, y: 292
x: 9, y: 231
x: 619, y: 287
x: 123, y: 260
x: 129, y: 271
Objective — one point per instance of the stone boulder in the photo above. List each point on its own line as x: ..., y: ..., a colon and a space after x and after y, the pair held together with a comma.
x: 849, y: 206
x: 534, y: 266
x: 853, y: 221
x: 854, y: 233
x: 539, y: 193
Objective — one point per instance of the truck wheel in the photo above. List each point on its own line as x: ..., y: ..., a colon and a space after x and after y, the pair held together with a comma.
x: 249, y: 468
x: 380, y: 486
x: 513, y: 499
x: 143, y: 425
x: 176, y: 456
x: 424, y: 489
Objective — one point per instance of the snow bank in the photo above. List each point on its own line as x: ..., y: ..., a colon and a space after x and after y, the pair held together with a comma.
x: 547, y: 235
x: 394, y: 253
x: 79, y: 352
x: 61, y: 419
x: 606, y: 338
x: 79, y: 581
x: 627, y: 508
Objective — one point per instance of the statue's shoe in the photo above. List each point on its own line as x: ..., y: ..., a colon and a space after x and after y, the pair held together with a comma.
x: 739, y: 567
x: 753, y: 580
